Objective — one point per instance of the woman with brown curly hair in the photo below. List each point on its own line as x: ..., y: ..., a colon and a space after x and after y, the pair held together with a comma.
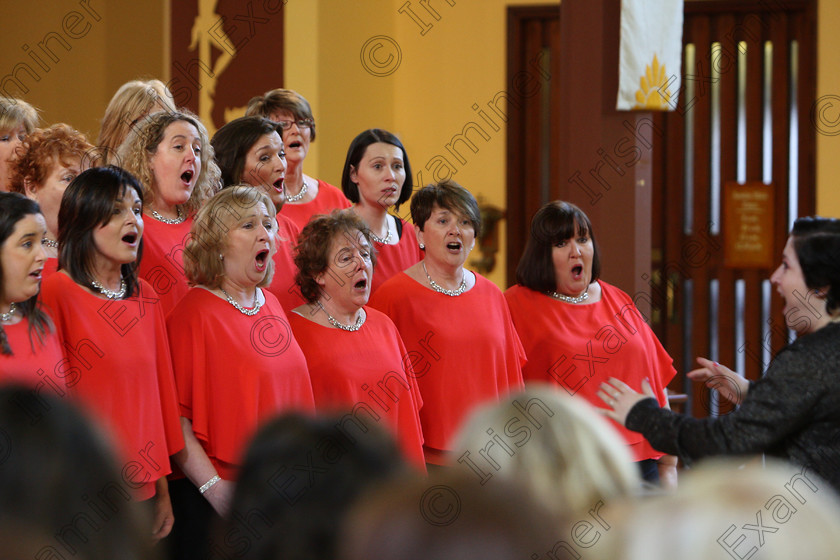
x: 49, y: 161
x: 335, y: 259
x: 171, y: 155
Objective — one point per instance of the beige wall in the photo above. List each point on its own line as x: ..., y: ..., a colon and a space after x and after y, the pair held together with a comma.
x: 828, y: 109
x: 426, y: 100
x: 109, y: 43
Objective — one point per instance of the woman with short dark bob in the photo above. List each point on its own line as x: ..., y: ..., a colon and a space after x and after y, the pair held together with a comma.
x: 171, y: 155
x: 457, y: 328
x: 305, y: 196
x: 377, y: 178
x: 28, y: 341
x: 793, y: 410
x: 562, y: 309
x: 250, y: 150
x: 114, y: 330
x: 336, y: 262
x: 236, y: 362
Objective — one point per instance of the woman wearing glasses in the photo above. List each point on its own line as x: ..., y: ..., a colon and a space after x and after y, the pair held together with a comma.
x: 305, y: 195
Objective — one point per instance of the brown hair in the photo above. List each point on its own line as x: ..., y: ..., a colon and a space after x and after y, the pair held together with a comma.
x: 314, y: 243
x: 282, y: 100
x: 133, y: 101
x: 555, y: 222
x: 445, y: 194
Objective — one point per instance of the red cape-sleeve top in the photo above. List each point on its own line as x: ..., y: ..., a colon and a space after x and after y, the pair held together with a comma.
x: 122, y: 373
x: 328, y: 199
x: 283, y: 285
x: 50, y: 268
x: 577, y: 347
x: 464, y: 351
x: 40, y: 365
x: 234, y: 372
x: 367, y: 371
x: 393, y: 259
x: 162, y: 264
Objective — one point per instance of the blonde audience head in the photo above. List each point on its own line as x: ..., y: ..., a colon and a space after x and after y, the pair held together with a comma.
x: 723, y: 510
x: 133, y: 101
x: 560, y: 447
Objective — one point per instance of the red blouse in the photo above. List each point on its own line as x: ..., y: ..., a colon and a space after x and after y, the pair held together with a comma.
x: 119, y: 353
x: 393, y: 259
x: 367, y: 371
x: 464, y: 351
x: 162, y: 263
x: 283, y: 285
x: 50, y: 268
x: 43, y: 367
x: 328, y: 199
x: 234, y: 372
x: 577, y: 347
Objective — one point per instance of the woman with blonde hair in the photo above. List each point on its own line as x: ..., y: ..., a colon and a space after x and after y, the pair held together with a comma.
x: 236, y: 361
x: 305, y: 195
x: 558, y: 446
x: 133, y: 101
x: 171, y: 155
x: 17, y: 119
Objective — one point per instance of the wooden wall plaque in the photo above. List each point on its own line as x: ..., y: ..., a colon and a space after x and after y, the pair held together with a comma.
x: 748, y: 231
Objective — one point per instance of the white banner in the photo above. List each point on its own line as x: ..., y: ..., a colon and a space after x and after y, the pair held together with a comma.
x: 650, y: 55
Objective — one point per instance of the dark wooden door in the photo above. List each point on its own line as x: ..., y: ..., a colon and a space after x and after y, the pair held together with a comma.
x: 749, y: 80
x: 532, y: 128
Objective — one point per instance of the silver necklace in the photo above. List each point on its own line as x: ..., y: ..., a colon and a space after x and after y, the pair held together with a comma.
x: 50, y: 242
x: 299, y: 195
x: 350, y: 328
x: 249, y: 312
x: 383, y: 240
x: 119, y: 294
x: 569, y: 299
x: 172, y: 221
x: 456, y: 292
x: 6, y: 317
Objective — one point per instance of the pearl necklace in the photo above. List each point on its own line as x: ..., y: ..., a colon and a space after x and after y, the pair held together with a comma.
x: 452, y: 293
x: 569, y: 299
x: 249, y: 312
x: 50, y: 242
x: 299, y: 195
x: 6, y: 317
x: 119, y: 294
x: 383, y: 240
x: 350, y: 328
x: 171, y: 221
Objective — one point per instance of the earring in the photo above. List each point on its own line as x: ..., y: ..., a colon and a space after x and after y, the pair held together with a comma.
x: 422, y: 246
x: 221, y: 257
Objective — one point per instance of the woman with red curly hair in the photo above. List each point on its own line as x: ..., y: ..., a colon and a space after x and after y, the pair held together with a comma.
x: 49, y: 160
